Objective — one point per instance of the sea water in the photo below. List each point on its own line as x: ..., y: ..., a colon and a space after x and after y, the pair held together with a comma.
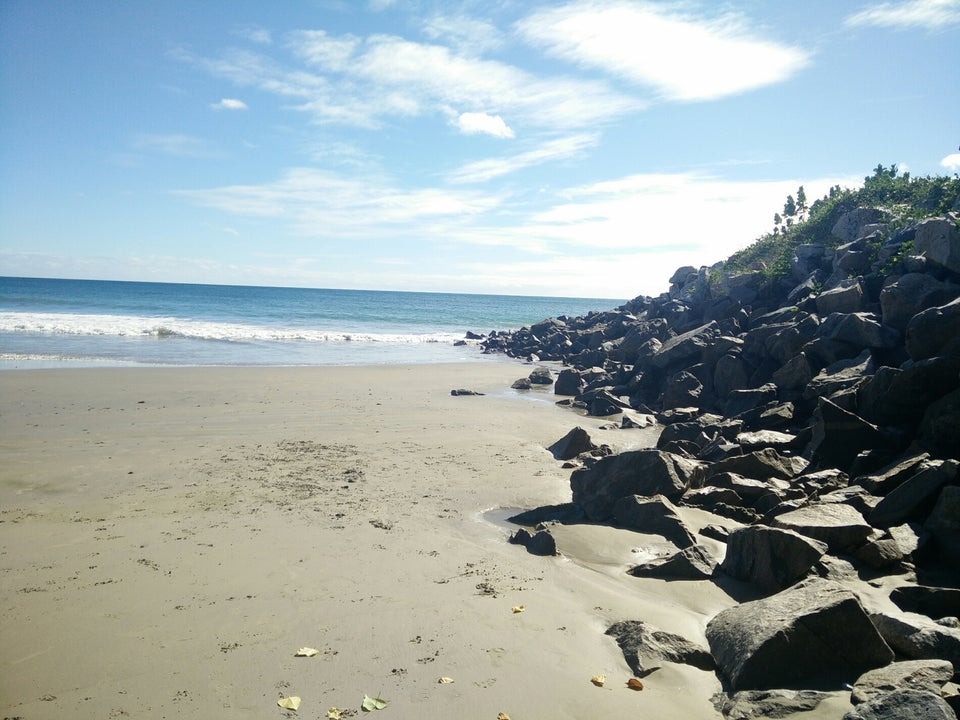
x: 57, y: 323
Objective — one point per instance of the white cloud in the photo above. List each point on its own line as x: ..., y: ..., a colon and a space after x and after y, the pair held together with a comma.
x: 929, y: 14
x: 380, y: 5
x: 229, y: 104
x: 177, y: 145
x: 254, y: 34
x: 680, y: 55
x: 475, y: 123
x: 468, y: 35
x: 558, y: 149
x: 951, y: 162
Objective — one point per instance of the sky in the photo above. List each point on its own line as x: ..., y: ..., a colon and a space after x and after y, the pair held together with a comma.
x: 584, y: 148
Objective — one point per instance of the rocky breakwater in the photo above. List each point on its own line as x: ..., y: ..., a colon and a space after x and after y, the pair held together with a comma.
x: 817, y: 416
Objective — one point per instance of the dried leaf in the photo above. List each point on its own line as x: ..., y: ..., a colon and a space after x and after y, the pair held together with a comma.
x: 503, y: 716
x: 598, y: 680
x: 445, y: 680
x: 518, y: 609
x: 634, y: 684
x: 370, y: 704
x: 289, y: 703
x: 306, y: 652
x: 334, y: 714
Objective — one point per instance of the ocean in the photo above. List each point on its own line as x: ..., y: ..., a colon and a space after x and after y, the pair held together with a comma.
x: 82, y: 323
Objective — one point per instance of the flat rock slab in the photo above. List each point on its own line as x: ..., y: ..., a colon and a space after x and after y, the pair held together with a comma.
x: 655, y: 515
x: 750, y: 704
x: 815, y: 636
x: 644, y: 648
x: 770, y: 558
x: 903, y: 705
x: 840, y: 526
x: 929, y: 675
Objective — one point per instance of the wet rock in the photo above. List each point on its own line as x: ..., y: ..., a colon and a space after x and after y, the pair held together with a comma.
x: 569, y: 382
x: 653, y: 515
x: 929, y: 675
x: 770, y: 558
x: 572, y: 444
x: 455, y: 393
x: 692, y: 563
x: 522, y: 384
x: 541, y: 376
x: 815, y: 635
x: 645, y: 648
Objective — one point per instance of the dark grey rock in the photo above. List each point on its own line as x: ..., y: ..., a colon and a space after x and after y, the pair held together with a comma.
x: 815, y: 635
x: 692, y: 563
x: 901, y: 396
x: 686, y: 347
x: 840, y: 375
x: 572, y: 444
x: 683, y: 389
x: 918, y: 637
x: 846, y: 298
x: 938, y: 240
x: 915, y: 497
x: 939, y: 431
x: 541, y: 376
x: 752, y: 704
x: 929, y: 675
x: 839, y: 526
x: 903, y: 705
x: 944, y: 524
x: 645, y: 648
x: 539, y: 543
x: 860, y: 329
x: 759, y: 439
x: 715, y: 532
x: 731, y: 372
x: 639, y: 472
x: 760, y: 465
x: 741, y: 401
x: 838, y: 436
x: 709, y: 497
x: 522, y: 384
x: 912, y: 293
x: 889, y: 548
x: 935, y: 331
x: 770, y: 558
x: 794, y: 374
x: 455, y: 393
x: 851, y: 225
x: 934, y: 602
x: 653, y: 515
x: 569, y: 382
x: 891, y: 476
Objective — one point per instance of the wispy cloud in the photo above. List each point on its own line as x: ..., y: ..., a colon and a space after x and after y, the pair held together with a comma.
x: 471, y: 123
x: 927, y: 14
x: 229, y: 104
x: 177, y: 145
x: 557, y: 149
x: 254, y: 33
x: 951, y: 162
x: 679, y: 54
x: 469, y: 35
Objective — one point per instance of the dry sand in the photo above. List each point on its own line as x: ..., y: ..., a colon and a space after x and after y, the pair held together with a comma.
x: 170, y: 537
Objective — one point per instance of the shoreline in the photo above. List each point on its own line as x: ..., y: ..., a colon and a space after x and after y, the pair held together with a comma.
x: 171, y: 537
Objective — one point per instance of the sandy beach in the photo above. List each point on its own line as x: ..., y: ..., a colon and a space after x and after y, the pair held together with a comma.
x: 171, y: 537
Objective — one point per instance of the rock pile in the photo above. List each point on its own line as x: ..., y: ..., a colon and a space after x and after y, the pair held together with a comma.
x: 821, y: 412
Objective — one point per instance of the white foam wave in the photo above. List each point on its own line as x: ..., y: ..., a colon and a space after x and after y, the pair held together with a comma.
x: 169, y: 327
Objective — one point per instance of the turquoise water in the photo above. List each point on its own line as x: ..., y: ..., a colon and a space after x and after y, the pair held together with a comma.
x: 55, y: 323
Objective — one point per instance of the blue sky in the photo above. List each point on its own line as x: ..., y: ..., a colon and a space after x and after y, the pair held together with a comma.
x: 582, y: 149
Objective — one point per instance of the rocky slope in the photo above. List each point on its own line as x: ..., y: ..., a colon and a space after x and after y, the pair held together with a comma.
x: 819, y: 411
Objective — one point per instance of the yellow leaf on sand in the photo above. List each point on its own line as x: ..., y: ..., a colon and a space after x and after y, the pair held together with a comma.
x: 306, y: 652
x: 503, y: 716
x: 518, y: 609
x: 334, y: 714
x: 290, y: 703
x: 445, y: 680
x: 598, y: 680
x: 634, y: 684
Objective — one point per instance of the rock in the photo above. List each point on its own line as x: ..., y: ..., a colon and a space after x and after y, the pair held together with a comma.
x: 692, y: 563
x: 645, y: 647
x: 938, y: 241
x: 840, y: 375
x: 752, y: 704
x: 760, y: 465
x: 730, y: 373
x: 838, y: 436
x: 935, y: 331
x: 815, y: 635
x: 569, y: 382
x: 631, y: 420
x: 715, y: 532
x: 541, y: 376
x: 910, y: 294
x: 770, y: 558
x: 918, y: 637
x: 889, y: 548
x: 890, y: 477
x: 934, y: 602
x: 572, y: 444
x: 901, y: 396
x: 846, y: 298
x: 685, y: 347
x: 859, y: 329
x: 903, y: 705
x: 540, y: 543
x: 794, y: 374
x: 916, y: 496
x: 565, y: 513
x: 682, y: 390
x: 850, y: 226
x: 944, y: 525
x: 601, y: 403
x: 640, y: 472
x: 939, y: 431
x: 455, y: 393
x: 839, y: 526
x: 653, y: 515
x: 522, y: 384
x: 709, y: 497
x: 929, y: 675
x: 741, y: 401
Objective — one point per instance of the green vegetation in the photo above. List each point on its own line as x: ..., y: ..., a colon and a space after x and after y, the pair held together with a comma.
x: 907, y: 199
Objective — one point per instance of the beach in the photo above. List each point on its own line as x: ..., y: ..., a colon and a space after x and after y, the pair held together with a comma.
x: 171, y: 537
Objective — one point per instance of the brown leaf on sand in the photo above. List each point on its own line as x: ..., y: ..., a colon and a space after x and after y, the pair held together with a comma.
x: 598, y: 680
x: 289, y: 703
x: 634, y: 684
x: 518, y: 609
x: 503, y: 716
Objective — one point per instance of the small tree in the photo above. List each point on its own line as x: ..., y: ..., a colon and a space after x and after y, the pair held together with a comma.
x: 801, y: 202
x: 790, y: 207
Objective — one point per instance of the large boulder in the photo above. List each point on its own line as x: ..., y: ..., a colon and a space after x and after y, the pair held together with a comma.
x: 572, y: 444
x: 569, y: 382
x: 770, y: 558
x: 840, y: 375
x: 640, y: 472
x: 653, y: 515
x: 935, y: 331
x: 944, y: 524
x: 934, y: 602
x: 760, y: 465
x: 815, y: 635
x: 750, y: 704
x: 913, y: 293
x: 839, y: 526
x: 918, y: 637
x: 938, y: 241
x: 645, y: 648
x: 915, y: 497
x: 939, y: 431
x: 903, y: 705
x: 691, y: 563
x: 685, y: 348
x: 852, y: 224
x: 895, y: 396
x: 839, y: 436
x: 846, y: 298
x: 860, y: 329
x: 929, y: 675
